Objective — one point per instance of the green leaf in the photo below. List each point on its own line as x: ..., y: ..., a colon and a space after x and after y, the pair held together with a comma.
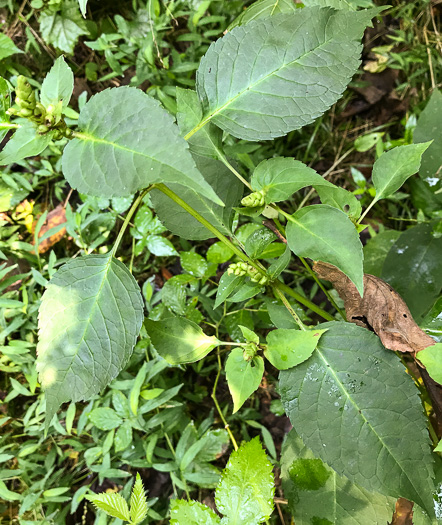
x: 83, y: 4
x: 246, y: 291
x: 138, y: 503
x: 429, y: 127
x: 431, y: 358
x: 105, y: 418
x: 277, y: 267
x: 8, y: 495
x: 306, y: 480
x: 258, y: 241
x: 263, y: 9
x: 25, y: 142
x: 281, y: 177
x: 245, y: 492
x: 287, y: 348
x: 376, y: 250
x: 5, y: 104
x: 249, y: 335
x: 160, y: 246
x: 193, y: 263
x: 89, y: 320
x: 356, y: 386
x: 219, y: 253
x: 58, y: 84
x: 179, y: 222
x: 63, y: 28
x: 227, y: 285
x: 207, y: 142
x: 336, y: 4
x: 432, y: 323
x: 394, y: 167
x: 118, y: 160
x: 323, y: 233
x: 7, y: 47
x: 123, y: 437
x: 249, y: 80
x: 184, y: 512
x: 179, y: 340
x: 341, y: 199
x: 413, y: 267
x: 243, y: 377
x: 112, y: 503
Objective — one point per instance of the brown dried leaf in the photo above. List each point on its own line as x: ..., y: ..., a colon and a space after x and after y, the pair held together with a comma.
x: 54, y: 218
x: 381, y: 309
x: 403, y: 514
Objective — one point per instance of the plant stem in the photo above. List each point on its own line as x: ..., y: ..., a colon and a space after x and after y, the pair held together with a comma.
x: 288, y: 306
x: 367, y: 209
x: 233, y: 170
x: 213, y: 396
x: 129, y: 217
x: 8, y: 125
x: 304, y: 301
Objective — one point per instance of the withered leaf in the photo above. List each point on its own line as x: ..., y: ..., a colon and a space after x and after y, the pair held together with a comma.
x: 54, y: 218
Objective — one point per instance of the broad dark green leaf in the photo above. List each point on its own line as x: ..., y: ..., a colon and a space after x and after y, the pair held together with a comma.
x: 227, y: 285
x: 394, y: 167
x: 280, y: 316
x: 413, y: 267
x: 281, y: 177
x: 263, y: 9
x: 219, y: 253
x: 277, y: 267
x: 89, y: 320
x: 326, y: 234
x: 287, y: 348
x: 25, y: 142
x: 354, y: 386
x: 207, y: 142
x: 376, y: 250
x: 179, y: 340
x: 58, y: 84
x: 184, y: 512
x: 243, y: 377
x: 336, y: 4
x: 193, y: 263
x: 245, y: 291
x: 258, y: 241
x: 317, y: 494
x: 7, y: 47
x: 429, y: 127
x: 245, y: 492
x: 178, y: 221
x: 63, y: 27
x: 431, y: 358
x: 119, y: 150
x: 250, y: 80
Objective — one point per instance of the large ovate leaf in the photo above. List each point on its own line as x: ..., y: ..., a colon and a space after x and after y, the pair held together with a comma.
x: 287, y: 348
x: 413, y: 267
x: 179, y: 340
x: 429, y: 127
x: 25, y: 142
x: 58, y: 84
x: 431, y: 358
x: 180, y: 222
x: 120, y: 150
x: 245, y: 492
x: 326, y: 234
x: 263, y: 9
x: 317, y: 494
x: 277, y: 74
x: 354, y: 385
x: 184, y: 512
x: 243, y: 376
x: 394, y: 167
x: 89, y: 320
x: 281, y: 177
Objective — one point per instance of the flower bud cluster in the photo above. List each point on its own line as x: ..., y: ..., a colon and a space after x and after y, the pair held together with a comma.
x: 242, y: 268
x: 254, y: 199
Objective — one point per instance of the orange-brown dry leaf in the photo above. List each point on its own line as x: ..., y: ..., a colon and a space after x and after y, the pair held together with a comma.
x: 55, y: 217
x: 381, y: 309
x: 403, y: 514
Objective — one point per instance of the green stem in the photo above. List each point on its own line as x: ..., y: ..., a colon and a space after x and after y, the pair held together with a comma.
x: 318, y: 282
x: 292, y: 312
x: 369, y: 207
x: 172, y: 195
x: 233, y: 170
x: 8, y: 125
x: 305, y: 302
x: 129, y: 217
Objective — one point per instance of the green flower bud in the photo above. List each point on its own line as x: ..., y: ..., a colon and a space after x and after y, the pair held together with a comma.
x: 42, y: 129
x: 254, y: 199
x: 26, y: 112
x: 249, y: 352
